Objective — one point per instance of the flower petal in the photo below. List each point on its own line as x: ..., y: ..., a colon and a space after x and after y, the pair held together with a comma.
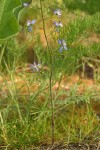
x: 58, y: 12
x: 30, y: 28
x: 59, y: 41
x: 33, y: 22
x: 60, y: 49
x: 65, y: 47
x: 28, y: 22
x: 58, y: 24
x: 34, y: 67
x: 25, y: 4
x: 63, y: 42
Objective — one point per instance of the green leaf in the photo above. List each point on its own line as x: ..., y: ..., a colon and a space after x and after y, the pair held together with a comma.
x: 8, y: 21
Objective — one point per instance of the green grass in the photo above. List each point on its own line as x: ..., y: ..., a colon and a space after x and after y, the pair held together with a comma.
x: 26, y: 118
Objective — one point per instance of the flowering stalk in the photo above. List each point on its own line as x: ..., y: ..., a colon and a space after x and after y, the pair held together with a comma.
x: 51, y: 72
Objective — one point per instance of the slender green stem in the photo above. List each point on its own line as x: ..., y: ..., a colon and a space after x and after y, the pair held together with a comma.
x: 48, y: 17
x: 51, y: 73
x: 2, y: 52
x: 51, y: 99
x: 43, y: 24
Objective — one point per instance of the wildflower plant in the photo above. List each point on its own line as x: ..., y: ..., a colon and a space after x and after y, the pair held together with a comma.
x: 51, y: 54
x: 60, y: 42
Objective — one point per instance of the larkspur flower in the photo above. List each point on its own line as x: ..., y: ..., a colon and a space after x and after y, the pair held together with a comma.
x: 25, y: 4
x: 63, y: 45
x: 29, y: 24
x: 33, y: 22
x: 35, y: 67
x: 58, y: 12
x: 30, y: 28
x: 58, y: 24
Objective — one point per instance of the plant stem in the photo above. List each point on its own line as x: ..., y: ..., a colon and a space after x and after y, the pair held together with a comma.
x: 51, y: 99
x: 51, y: 73
x: 43, y: 24
x: 2, y: 52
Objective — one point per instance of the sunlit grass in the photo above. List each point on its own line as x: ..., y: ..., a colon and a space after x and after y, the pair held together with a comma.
x: 26, y: 116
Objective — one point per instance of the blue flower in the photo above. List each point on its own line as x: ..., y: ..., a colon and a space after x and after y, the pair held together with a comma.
x: 58, y: 12
x: 33, y: 22
x: 30, y: 28
x: 35, y: 67
x: 58, y: 24
x: 25, y: 4
x: 63, y: 45
x: 29, y: 24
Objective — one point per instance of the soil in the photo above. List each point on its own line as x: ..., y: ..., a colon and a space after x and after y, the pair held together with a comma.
x: 72, y: 146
